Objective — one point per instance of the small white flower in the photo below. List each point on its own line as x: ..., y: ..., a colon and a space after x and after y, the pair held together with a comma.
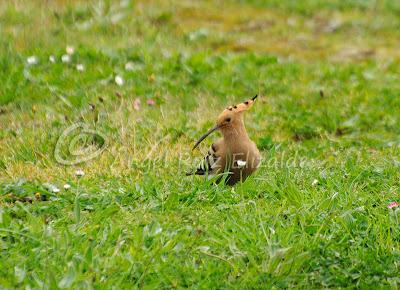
x: 55, y: 190
x: 52, y: 58
x: 315, y: 182
x: 119, y: 80
x: 129, y: 66
x: 67, y: 186
x: 157, y: 230
x: 70, y: 50
x: 65, y: 58
x: 32, y: 59
x: 80, y: 67
x: 79, y: 173
x: 241, y: 163
x: 204, y: 248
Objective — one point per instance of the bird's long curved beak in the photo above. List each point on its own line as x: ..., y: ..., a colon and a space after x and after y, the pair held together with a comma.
x: 205, y: 136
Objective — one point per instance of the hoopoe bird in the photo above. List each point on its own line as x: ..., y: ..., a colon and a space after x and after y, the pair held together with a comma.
x: 234, y: 155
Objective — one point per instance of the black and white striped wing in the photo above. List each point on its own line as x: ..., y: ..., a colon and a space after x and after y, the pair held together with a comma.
x: 208, y: 164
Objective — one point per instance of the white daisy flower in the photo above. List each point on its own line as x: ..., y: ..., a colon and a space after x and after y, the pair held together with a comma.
x: 32, y: 59
x: 67, y: 186
x: 119, y: 80
x: 79, y: 173
x: 129, y: 66
x: 70, y: 50
x: 52, y: 58
x: 55, y: 190
x: 80, y: 67
x: 315, y: 182
x: 65, y: 58
x: 204, y: 248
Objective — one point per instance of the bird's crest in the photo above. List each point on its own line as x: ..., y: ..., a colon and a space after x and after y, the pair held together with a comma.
x: 242, y: 106
x: 228, y: 118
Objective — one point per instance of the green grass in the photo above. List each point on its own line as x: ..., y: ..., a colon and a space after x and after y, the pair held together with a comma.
x: 315, y: 215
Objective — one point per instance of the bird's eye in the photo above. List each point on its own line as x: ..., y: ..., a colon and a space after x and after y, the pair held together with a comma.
x: 228, y: 120
x: 246, y: 103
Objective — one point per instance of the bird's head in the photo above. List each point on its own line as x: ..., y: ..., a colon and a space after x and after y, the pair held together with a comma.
x: 229, y: 118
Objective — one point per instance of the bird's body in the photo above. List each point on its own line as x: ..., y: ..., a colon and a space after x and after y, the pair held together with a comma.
x: 234, y: 154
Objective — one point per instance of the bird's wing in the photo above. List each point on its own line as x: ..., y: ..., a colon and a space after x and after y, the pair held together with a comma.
x: 210, y: 164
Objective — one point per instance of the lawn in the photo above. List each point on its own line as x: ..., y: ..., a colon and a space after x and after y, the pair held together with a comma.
x: 121, y: 91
